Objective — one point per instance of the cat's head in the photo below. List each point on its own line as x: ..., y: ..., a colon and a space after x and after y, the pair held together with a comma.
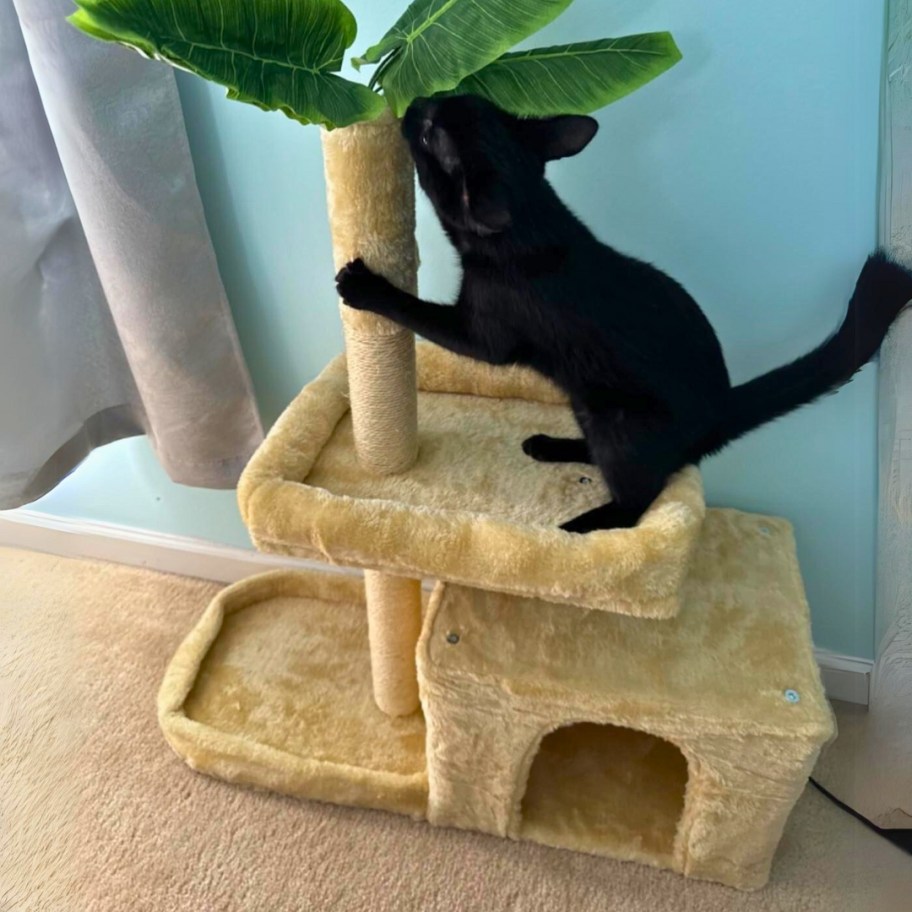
x: 476, y: 162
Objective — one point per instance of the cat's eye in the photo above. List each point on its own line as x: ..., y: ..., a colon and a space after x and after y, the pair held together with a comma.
x: 425, y: 137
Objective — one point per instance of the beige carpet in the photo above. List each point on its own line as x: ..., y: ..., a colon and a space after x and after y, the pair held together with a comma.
x: 97, y: 815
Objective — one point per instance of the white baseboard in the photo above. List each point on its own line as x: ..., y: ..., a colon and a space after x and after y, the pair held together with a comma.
x: 845, y: 678
x: 178, y: 554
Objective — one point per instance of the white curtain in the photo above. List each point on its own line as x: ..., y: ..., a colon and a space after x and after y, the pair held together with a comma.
x: 113, y: 319
x: 870, y: 764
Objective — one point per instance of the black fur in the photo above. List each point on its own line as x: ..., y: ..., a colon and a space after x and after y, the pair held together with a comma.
x: 637, y: 357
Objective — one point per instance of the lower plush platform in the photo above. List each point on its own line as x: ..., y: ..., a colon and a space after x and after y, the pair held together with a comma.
x: 272, y: 688
x: 680, y: 743
x: 474, y: 509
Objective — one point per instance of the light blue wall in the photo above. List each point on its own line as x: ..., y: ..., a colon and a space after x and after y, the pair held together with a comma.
x: 748, y: 172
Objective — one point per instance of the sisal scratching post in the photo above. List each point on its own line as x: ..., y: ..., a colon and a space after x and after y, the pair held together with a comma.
x: 394, y: 625
x: 370, y: 192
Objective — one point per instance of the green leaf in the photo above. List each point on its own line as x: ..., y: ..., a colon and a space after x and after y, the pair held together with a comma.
x: 437, y: 43
x: 573, y: 78
x: 277, y: 54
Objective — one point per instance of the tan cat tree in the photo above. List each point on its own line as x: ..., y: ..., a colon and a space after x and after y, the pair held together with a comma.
x: 649, y: 694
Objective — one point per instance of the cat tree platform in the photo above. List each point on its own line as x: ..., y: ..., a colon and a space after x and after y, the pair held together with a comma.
x: 272, y: 689
x: 682, y: 743
x: 473, y: 509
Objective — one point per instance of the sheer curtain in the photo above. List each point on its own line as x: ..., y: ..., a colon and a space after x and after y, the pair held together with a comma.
x: 113, y: 318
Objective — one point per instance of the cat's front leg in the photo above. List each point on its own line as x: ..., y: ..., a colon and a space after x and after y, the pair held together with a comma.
x: 443, y: 324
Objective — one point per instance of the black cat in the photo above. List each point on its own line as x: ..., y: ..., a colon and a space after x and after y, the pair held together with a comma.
x: 635, y: 354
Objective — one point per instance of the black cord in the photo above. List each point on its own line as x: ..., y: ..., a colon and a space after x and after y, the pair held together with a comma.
x: 902, y: 839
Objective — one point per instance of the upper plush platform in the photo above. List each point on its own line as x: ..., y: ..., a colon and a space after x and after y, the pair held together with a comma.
x: 474, y: 509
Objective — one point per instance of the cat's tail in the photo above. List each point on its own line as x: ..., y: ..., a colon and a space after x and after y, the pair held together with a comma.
x: 882, y: 291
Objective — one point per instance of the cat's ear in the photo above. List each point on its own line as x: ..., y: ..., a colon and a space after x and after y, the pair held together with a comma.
x: 485, y: 207
x: 558, y: 137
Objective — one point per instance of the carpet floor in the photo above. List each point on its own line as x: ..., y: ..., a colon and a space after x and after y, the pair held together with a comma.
x: 97, y: 814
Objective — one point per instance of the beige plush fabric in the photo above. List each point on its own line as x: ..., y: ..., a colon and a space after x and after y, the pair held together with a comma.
x: 272, y: 688
x: 474, y: 509
x: 695, y: 763
x: 370, y: 196
x: 394, y: 612
x: 498, y: 673
x: 98, y: 815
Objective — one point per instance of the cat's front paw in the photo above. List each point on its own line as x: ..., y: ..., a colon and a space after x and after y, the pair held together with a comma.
x: 538, y: 446
x: 360, y: 288
x: 544, y: 448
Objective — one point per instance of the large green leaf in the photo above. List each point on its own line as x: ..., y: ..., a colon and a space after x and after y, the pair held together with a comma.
x: 437, y: 43
x: 573, y: 78
x: 277, y: 54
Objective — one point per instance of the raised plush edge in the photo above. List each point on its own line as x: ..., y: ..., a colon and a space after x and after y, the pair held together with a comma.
x: 238, y: 760
x: 632, y: 571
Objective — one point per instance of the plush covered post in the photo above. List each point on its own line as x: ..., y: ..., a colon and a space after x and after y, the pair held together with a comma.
x: 371, y: 198
x: 370, y: 190
x: 394, y: 624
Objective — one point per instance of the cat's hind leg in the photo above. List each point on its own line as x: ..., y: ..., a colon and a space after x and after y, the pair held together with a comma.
x: 544, y: 448
x: 635, y: 457
x: 633, y: 499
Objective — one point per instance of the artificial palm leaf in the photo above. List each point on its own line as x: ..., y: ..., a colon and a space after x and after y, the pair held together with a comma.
x: 277, y: 54
x: 437, y: 43
x: 573, y: 78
